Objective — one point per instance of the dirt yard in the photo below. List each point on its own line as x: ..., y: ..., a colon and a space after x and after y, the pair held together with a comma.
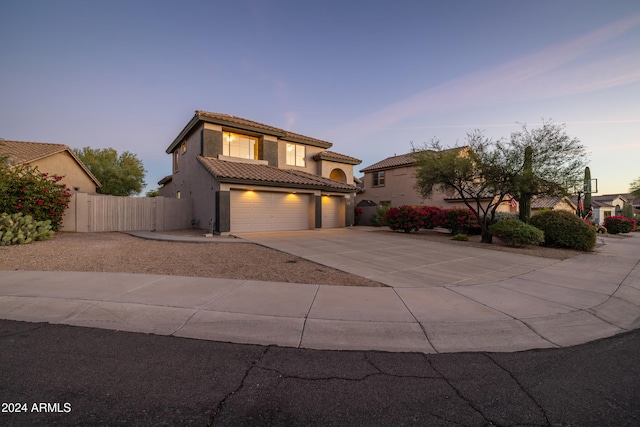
x: 118, y: 252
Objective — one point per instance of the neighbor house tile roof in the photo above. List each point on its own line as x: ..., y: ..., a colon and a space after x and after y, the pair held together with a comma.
x: 241, y: 124
x: 261, y: 174
x: 336, y: 157
x: 23, y: 152
x: 397, y: 161
x: 541, y: 202
x: 390, y: 162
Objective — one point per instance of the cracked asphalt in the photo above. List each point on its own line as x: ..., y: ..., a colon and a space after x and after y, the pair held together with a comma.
x: 121, y: 378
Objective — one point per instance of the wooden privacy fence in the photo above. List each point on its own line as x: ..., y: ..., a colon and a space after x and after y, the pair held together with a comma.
x: 97, y: 212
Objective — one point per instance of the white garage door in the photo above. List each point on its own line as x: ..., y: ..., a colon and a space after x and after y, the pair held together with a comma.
x: 330, y: 212
x: 265, y: 211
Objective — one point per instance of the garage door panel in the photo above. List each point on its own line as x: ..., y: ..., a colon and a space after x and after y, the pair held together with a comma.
x: 331, y: 212
x: 268, y: 211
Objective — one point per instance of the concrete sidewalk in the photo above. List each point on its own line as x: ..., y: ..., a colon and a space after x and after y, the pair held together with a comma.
x: 466, y: 299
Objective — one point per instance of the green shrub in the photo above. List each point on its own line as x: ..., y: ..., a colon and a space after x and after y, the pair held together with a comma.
x: 619, y: 224
x: 516, y: 234
x: 564, y: 230
x: 460, y: 238
x: 505, y: 215
x: 17, y: 229
x: 380, y: 218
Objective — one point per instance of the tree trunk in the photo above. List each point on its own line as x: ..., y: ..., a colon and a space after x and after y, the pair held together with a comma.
x: 525, y: 192
x: 486, y: 236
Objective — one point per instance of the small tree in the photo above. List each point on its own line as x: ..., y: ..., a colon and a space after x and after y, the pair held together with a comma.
x: 484, y: 172
x: 526, y: 190
x: 152, y: 193
x: 121, y: 175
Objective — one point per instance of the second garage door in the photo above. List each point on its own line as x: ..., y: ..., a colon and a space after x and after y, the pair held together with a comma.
x: 330, y: 212
x: 268, y: 211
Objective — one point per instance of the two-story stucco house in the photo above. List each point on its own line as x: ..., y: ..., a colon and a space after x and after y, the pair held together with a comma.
x: 392, y: 182
x: 54, y: 159
x: 247, y: 176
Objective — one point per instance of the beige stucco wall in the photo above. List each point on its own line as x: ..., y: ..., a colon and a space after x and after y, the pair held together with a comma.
x: 64, y: 164
x: 398, y: 190
x: 324, y: 168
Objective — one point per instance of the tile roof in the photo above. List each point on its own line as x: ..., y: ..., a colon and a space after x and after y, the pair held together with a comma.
x: 260, y: 174
x: 22, y: 152
x: 391, y: 162
x: 336, y: 157
x: 607, y: 199
x: 541, y: 202
x: 246, y: 125
x: 397, y: 161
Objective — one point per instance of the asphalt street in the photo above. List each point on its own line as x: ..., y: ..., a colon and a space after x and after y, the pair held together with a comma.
x: 68, y: 375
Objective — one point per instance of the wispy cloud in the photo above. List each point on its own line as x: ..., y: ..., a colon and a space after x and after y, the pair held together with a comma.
x: 615, y: 147
x: 545, y: 74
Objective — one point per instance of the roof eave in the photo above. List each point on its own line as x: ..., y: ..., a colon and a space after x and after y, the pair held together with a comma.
x: 308, y: 141
x: 242, y: 181
x: 185, y: 131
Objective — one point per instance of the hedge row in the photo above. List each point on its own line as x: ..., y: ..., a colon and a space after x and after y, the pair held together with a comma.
x: 412, y: 218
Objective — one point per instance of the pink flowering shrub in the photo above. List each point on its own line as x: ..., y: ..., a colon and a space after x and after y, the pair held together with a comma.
x: 619, y: 224
x: 430, y: 216
x: 357, y: 214
x: 458, y: 220
x: 25, y: 190
x: 406, y: 218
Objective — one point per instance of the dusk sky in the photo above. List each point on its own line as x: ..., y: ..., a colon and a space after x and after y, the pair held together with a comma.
x: 372, y: 77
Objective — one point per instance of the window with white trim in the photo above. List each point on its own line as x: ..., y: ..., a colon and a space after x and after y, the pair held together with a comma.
x: 296, y: 154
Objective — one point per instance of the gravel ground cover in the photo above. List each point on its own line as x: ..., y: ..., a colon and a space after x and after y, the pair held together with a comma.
x: 118, y: 252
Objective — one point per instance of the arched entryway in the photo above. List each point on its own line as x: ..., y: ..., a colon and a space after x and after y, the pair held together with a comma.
x: 338, y: 175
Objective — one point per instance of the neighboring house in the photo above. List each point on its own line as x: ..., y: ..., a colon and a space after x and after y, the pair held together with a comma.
x: 54, y: 159
x: 391, y: 182
x: 611, y: 205
x: 555, y: 203
x: 247, y: 176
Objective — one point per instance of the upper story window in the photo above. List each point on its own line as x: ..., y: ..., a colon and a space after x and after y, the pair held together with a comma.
x: 378, y: 179
x: 183, y: 147
x: 296, y: 154
x: 175, y: 161
x: 237, y: 145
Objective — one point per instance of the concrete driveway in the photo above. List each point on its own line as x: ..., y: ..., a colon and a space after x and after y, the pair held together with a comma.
x: 399, y: 261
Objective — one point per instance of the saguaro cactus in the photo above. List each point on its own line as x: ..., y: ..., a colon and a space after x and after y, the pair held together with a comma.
x: 526, y: 189
x: 587, y: 189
